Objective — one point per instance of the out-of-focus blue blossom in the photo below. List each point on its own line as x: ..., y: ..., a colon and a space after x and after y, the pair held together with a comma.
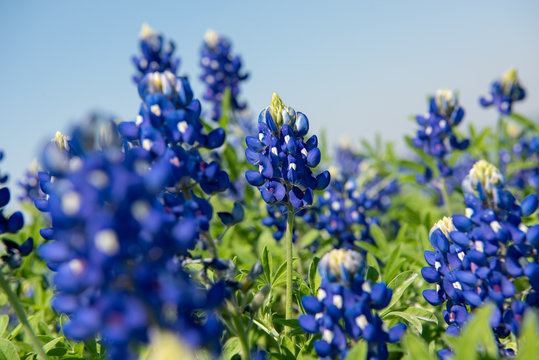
x: 344, y: 309
x: 117, y: 239
x: 504, y: 92
x: 357, y: 192
x: 347, y: 161
x: 221, y: 70
x: 478, y: 257
x: 169, y: 128
x: 436, y: 135
x: 11, y: 225
x: 30, y: 184
x: 277, y: 216
x: 525, y: 150
x: 155, y: 55
x: 283, y: 158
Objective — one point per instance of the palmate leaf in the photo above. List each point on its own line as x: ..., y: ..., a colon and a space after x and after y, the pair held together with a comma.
x: 414, y: 316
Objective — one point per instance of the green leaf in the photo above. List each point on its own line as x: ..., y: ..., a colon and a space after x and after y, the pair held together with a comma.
x: 416, y: 347
x: 267, y: 263
x: 7, y: 350
x: 422, y: 314
x: 4, y: 321
x: 281, y: 271
x: 372, y: 274
x: 524, y: 121
x: 370, y: 249
x: 231, y: 348
x: 393, y: 264
x: 379, y: 237
x: 359, y: 351
x: 225, y: 108
x: 476, y: 332
x: 399, y: 284
x: 313, y: 274
x: 528, y: 343
x: 51, y: 344
x: 410, y: 319
x: 291, y: 323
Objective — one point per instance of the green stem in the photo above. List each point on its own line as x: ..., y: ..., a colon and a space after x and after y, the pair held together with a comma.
x: 445, y: 196
x: 21, y: 315
x: 289, y: 264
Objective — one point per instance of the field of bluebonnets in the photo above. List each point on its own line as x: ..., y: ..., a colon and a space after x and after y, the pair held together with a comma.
x: 198, y: 231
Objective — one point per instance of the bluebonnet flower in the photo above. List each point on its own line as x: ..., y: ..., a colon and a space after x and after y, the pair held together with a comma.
x: 344, y: 308
x: 436, y: 135
x: 221, y: 71
x: 169, y: 116
x: 155, y: 55
x: 284, y: 158
x: 11, y: 225
x: 504, y: 92
x: 478, y: 257
x: 116, y: 239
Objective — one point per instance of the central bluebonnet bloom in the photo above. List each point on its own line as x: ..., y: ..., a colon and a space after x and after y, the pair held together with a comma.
x: 221, y: 71
x: 284, y: 158
x: 504, y: 92
x: 154, y: 56
x: 436, y: 136
x: 479, y: 257
x: 343, y: 310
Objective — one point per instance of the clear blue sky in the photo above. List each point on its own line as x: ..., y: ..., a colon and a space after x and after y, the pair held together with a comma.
x: 355, y: 68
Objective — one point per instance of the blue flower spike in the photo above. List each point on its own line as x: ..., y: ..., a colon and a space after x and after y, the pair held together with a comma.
x: 504, y: 92
x: 480, y: 255
x: 346, y: 298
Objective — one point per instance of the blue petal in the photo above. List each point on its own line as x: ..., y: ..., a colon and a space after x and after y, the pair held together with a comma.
x: 301, y: 126
x: 529, y: 205
x: 313, y: 157
x: 430, y: 275
x: 308, y: 323
x: 311, y: 304
x: 254, y: 178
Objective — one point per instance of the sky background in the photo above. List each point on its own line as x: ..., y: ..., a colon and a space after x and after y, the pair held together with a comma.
x: 356, y: 68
